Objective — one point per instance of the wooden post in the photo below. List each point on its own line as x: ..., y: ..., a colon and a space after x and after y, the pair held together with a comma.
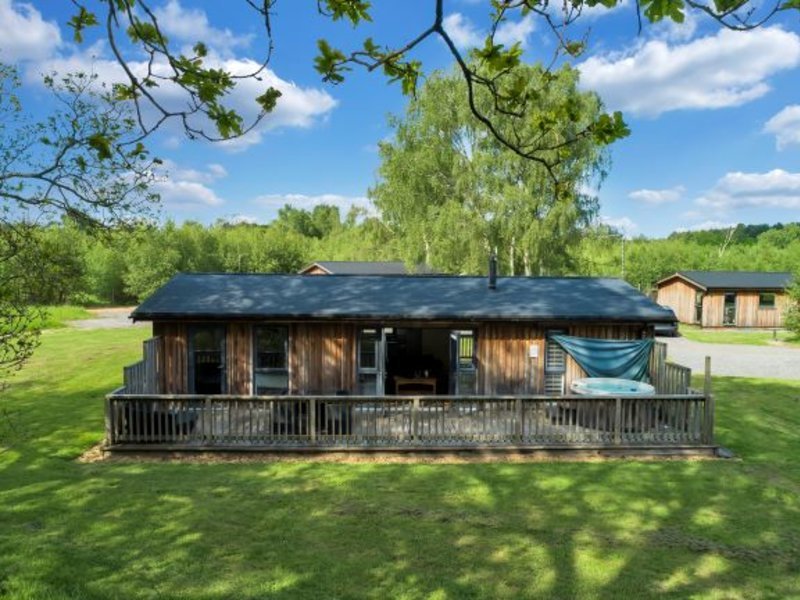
x: 518, y: 429
x: 312, y: 419
x: 415, y: 420
x: 709, y: 400
x: 617, y: 421
x: 208, y: 421
x: 109, y: 421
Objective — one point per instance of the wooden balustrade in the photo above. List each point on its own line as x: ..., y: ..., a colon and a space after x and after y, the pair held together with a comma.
x: 287, y: 422
x: 142, y: 377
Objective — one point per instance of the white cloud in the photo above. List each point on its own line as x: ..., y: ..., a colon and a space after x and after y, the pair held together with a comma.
x: 462, y: 31
x: 24, y: 35
x: 465, y: 34
x: 186, y: 194
x: 727, y: 69
x: 671, y: 31
x: 191, y: 25
x: 275, y: 201
x: 510, y: 32
x: 786, y: 126
x: 776, y: 189
x: 211, y: 173
x: 658, y: 196
x: 188, y: 188
x: 706, y: 225
x: 623, y: 224
x: 297, y: 107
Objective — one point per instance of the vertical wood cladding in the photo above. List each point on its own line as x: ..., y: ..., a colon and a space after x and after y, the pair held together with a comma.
x: 239, y: 358
x: 322, y: 358
x: 680, y: 297
x: 504, y: 362
x: 174, y: 358
x: 505, y: 365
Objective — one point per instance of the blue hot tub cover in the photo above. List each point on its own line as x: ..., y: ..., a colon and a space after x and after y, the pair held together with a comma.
x: 624, y: 359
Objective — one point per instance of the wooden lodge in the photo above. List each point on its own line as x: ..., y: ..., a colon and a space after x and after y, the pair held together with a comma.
x: 726, y: 298
x: 394, y: 362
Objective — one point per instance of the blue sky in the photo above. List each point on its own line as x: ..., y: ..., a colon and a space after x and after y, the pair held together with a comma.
x: 715, y: 115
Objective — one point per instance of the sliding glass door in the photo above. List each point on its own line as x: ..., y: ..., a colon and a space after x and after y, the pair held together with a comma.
x: 207, y: 359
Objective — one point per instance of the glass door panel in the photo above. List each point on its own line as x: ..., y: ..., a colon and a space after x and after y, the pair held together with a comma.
x: 729, y: 314
x: 371, y: 361
x: 207, y: 359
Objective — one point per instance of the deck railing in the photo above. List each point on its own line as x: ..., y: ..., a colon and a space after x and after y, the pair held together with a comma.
x: 292, y: 422
x: 142, y: 377
x: 668, y: 377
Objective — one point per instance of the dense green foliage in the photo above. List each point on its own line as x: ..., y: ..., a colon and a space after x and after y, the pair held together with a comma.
x: 305, y: 529
x: 452, y: 194
x: 126, y: 266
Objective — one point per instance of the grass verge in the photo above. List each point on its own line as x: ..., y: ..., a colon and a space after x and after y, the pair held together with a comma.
x: 615, y: 529
x: 56, y: 317
x: 750, y: 338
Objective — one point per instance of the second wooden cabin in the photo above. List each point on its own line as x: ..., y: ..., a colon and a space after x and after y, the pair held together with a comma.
x: 726, y: 298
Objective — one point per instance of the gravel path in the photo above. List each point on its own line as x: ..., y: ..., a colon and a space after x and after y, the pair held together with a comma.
x: 775, y: 362
x: 107, y: 318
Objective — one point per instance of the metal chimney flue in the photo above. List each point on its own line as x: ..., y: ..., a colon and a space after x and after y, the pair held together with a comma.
x: 493, y: 272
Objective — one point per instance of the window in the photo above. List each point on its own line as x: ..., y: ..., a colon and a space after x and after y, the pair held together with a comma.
x: 555, y: 365
x: 370, y: 362
x: 766, y: 301
x: 271, y: 360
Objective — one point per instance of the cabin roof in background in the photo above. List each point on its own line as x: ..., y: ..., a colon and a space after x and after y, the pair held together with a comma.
x: 406, y: 297
x: 735, y: 280
x: 354, y: 267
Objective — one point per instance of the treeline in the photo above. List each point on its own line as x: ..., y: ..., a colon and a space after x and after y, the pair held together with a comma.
x: 123, y: 266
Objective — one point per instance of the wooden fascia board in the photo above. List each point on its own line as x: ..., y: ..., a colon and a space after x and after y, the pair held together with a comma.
x: 683, y: 278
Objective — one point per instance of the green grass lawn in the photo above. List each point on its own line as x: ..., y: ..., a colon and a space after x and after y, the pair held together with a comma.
x: 616, y: 529
x: 56, y: 317
x: 752, y: 338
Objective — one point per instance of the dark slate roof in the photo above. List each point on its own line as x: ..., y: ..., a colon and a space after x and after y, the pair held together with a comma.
x: 354, y: 267
x: 737, y: 280
x: 418, y: 297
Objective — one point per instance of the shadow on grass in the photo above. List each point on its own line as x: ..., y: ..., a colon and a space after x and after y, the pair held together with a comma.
x: 311, y: 530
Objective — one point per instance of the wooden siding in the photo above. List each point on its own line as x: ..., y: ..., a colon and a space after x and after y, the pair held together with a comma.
x: 605, y: 332
x: 504, y: 362
x: 748, y: 314
x: 239, y: 358
x: 322, y: 358
x: 174, y: 358
x: 506, y: 367
x: 679, y: 296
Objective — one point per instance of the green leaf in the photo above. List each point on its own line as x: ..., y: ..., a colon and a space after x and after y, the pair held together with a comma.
x: 79, y: 22
x: 328, y: 62
x: 353, y: 10
x: 100, y: 144
x: 268, y: 100
x: 657, y: 10
x: 609, y: 128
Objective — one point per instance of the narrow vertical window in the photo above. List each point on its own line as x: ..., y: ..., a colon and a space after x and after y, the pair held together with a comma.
x: 207, y: 359
x: 555, y: 365
x: 271, y: 361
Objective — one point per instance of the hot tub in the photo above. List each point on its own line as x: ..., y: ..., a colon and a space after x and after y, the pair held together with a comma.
x: 610, y: 386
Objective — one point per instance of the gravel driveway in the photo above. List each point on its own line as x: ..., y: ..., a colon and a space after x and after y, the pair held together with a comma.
x: 775, y: 362
x: 108, y: 318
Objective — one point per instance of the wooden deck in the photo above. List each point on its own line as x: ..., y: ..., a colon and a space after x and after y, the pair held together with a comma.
x: 675, y: 419
x: 424, y: 422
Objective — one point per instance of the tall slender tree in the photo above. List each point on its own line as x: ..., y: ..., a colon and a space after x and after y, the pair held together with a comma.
x: 452, y: 193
